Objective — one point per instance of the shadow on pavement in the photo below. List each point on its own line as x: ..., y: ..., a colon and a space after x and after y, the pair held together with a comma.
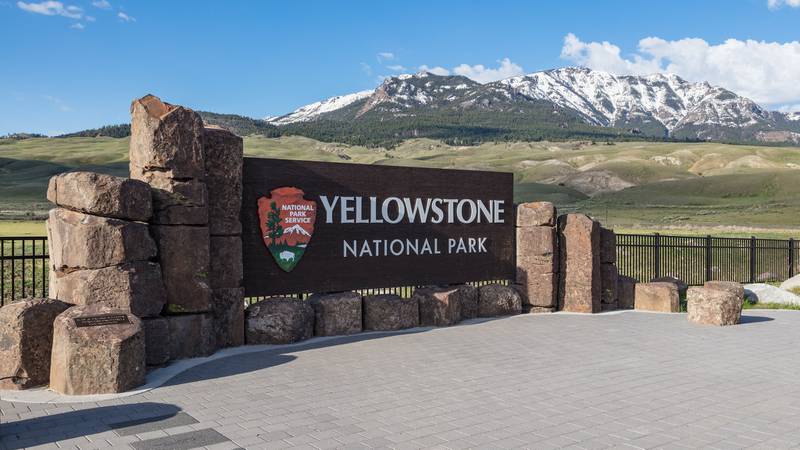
x: 754, y: 319
x: 75, y: 424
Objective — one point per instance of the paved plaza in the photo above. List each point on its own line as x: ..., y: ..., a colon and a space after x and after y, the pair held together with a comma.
x: 626, y: 380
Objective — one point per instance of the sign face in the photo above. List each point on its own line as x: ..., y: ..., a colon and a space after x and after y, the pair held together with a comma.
x: 325, y: 227
x: 101, y: 320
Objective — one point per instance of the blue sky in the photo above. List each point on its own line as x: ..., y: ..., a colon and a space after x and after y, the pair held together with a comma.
x: 72, y: 65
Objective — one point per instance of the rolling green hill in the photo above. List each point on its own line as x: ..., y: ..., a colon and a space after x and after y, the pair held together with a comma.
x: 631, y: 184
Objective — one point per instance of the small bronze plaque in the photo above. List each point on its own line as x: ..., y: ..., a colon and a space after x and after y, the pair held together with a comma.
x: 101, y: 320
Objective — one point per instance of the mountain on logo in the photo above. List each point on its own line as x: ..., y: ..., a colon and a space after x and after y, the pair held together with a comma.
x: 296, y: 229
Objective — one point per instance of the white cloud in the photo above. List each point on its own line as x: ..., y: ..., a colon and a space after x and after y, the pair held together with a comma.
x: 102, y: 4
x: 483, y: 74
x: 126, y: 18
x: 763, y: 71
x: 89, y: 18
x: 385, y: 56
x: 366, y: 68
x: 77, y: 26
x: 437, y: 70
x: 397, y: 68
x: 775, y: 4
x: 52, y: 8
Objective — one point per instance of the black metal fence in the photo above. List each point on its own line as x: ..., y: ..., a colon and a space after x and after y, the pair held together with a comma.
x: 696, y: 260
x: 24, y: 262
x: 23, y: 268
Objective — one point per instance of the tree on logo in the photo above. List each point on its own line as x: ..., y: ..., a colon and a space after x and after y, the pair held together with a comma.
x: 274, y: 223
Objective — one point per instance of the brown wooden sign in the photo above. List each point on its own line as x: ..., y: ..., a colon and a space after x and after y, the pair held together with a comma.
x: 325, y: 227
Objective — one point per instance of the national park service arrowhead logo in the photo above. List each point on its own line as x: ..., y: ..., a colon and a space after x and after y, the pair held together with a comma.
x: 287, y: 223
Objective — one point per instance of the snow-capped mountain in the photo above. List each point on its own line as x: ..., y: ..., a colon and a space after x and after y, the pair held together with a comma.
x: 296, y: 229
x: 656, y: 105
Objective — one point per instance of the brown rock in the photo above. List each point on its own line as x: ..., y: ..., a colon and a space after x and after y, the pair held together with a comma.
x: 609, y: 294
x: 681, y: 285
x: 714, y: 305
x: 439, y: 306
x: 657, y: 296
x: 191, y: 336
x: 103, y: 359
x: 165, y: 139
x: 228, y: 314
x: 537, y: 289
x: 184, y: 255
x: 336, y: 314
x: 26, y: 340
x: 226, y: 262
x: 388, y: 312
x: 579, y: 251
x: 156, y: 340
x: 82, y: 241
x: 102, y: 195
x: 134, y: 287
x: 626, y: 292
x: 537, y: 309
x: 498, y: 300
x: 279, y: 321
x: 536, y: 214
x: 179, y: 202
x: 608, y: 246
x: 223, y: 158
x: 537, y: 249
x: 735, y: 288
x: 468, y: 295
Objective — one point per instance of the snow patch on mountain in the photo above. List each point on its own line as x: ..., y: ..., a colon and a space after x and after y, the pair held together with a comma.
x: 314, y: 110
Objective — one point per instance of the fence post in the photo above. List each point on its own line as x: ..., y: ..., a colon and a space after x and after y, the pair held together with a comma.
x: 709, y: 259
x: 752, y: 259
x: 657, y: 256
x: 791, y: 257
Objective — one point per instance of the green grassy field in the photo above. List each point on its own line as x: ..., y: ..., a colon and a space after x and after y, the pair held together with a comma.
x: 681, y: 188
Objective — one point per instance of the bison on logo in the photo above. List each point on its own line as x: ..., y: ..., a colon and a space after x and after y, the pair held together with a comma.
x: 287, y: 223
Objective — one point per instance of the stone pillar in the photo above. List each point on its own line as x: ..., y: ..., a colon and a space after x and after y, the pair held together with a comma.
x: 166, y: 152
x: 223, y: 154
x: 537, y: 256
x: 580, y: 264
x: 609, y: 294
x: 100, y: 248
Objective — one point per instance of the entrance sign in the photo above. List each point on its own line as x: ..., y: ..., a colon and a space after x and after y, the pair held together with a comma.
x: 372, y: 226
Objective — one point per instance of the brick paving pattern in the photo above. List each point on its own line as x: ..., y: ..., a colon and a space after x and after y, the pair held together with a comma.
x: 630, y: 380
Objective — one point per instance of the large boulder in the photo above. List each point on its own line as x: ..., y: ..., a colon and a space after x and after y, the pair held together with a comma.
x: 165, y: 139
x: 102, y: 195
x: 78, y: 240
x: 714, y: 305
x: 657, y: 296
x: 608, y: 246
x: 226, y: 262
x: 765, y: 293
x: 185, y: 260
x: 101, y: 357
x: 439, y: 306
x: 468, y: 295
x: 733, y: 287
x: 389, y: 312
x: 626, y: 292
x: 228, y: 314
x: 156, y: 340
x: 680, y: 284
x: 224, y: 155
x: 279, y: 321
x: 26, y: 340
x: 136, y: 287
x: 191, y: 336
x: 791, y: 283
x: 536, y: 214
x: 498, y: 300
x: 579, y: 251
x: 336, y: 314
